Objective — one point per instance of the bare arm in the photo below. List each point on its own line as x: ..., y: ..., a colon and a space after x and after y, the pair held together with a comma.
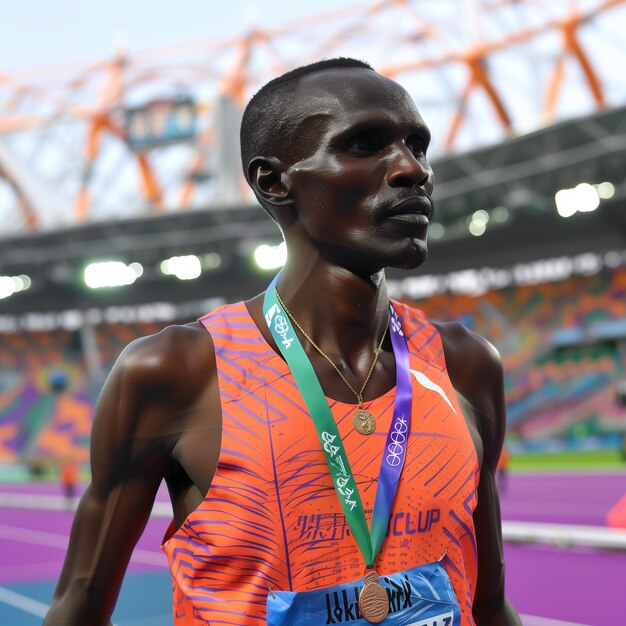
x: 491, y: 608
x: 476, y: 371
x: 130, y: 446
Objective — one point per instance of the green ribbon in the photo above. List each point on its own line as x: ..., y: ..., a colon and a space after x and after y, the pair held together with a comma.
x: 306, y: 380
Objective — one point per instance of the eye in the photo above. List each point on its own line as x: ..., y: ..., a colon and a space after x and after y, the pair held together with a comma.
x: 365, y: 143
x: 418, y: 145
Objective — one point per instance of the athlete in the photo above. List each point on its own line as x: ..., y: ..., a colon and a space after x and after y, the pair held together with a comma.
x: 330, y: 454
x: 68, y: 476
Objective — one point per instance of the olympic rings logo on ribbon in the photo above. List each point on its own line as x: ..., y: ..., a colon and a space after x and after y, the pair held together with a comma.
x: 280, y: 324
x: 395, y: 449
x: 395, y: 323
x: 281, y: 327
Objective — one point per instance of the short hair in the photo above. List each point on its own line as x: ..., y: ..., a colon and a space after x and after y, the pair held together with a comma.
x: 271, y: 114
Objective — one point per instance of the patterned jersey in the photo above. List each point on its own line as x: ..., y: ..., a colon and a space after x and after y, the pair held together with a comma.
x: 272, y: 519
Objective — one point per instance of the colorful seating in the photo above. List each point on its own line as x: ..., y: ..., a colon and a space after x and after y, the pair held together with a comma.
x: 559, y: 343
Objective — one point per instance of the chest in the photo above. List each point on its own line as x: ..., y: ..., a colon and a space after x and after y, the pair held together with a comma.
x: 273, y: 475
x: 255, y: 420
x: 268, y: 435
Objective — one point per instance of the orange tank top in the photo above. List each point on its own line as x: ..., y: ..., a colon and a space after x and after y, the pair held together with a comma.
x: 272, y: 519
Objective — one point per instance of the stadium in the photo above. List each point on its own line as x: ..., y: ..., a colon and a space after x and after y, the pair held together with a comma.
x: 123, y: 210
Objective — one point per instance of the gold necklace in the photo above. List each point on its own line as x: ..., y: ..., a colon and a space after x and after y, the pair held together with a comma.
x: 363, y: 420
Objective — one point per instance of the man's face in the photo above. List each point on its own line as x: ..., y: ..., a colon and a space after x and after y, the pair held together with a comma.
x: 358, y: 171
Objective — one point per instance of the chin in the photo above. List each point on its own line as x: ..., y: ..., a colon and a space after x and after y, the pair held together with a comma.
x: 412, y: 258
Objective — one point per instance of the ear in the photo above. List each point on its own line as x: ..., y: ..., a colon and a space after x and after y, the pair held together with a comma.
x: 264, y: 174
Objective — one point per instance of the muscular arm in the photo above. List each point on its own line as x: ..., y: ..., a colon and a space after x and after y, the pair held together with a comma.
x: 476, y: 370
x: 134, y: 431
x: 491, y: 608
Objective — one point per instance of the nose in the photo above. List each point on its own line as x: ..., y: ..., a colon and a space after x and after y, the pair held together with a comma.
x: 407, y: 170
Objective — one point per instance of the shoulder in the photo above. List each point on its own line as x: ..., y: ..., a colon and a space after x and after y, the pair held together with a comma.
x: 467, y: 352
x: 145, y: 404
x: 172, y: 361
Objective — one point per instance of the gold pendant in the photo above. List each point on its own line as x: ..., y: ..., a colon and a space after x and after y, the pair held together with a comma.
x: 364, y: 422
x: 373, y: 599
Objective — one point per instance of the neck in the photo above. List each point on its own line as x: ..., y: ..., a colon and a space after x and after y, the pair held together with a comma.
x: 342, y: 312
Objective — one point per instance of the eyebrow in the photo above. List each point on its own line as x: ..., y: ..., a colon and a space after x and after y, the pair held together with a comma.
x: 379, y: 123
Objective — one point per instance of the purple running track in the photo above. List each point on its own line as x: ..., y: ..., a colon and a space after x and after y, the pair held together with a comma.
x: 579, y: 585
x: 562, y: 498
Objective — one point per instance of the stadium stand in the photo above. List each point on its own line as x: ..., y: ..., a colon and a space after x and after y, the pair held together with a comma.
x: 563, y: 351
x: 562, y: 345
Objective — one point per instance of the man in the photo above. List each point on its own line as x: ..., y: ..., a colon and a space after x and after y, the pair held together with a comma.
x: 269, y: 499
x: 69, y: 477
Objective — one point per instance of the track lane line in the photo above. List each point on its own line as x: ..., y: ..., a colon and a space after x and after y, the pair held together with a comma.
x: 53, y: 540
x: 23, y: 603
x: 535, y: 620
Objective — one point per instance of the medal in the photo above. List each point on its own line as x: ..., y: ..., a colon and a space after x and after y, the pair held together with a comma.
x: 373, y: 599
x: 364, y: 422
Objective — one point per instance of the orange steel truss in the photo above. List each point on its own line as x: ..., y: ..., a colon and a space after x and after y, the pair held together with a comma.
x: 479, y: 70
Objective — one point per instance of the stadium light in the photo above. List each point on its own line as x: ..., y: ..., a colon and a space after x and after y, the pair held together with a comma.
x: 271, y: 257
x: 606, y: 190
x: 7, y: 286
x: 565, y: 200
x: 436, y: 230
x: 478, y: 222
x: 588, y: 198
x: 13, y: 284
x: 211, y: 261
x: 480, y: 217
x: 111, y: 274
x: 477, y: 228
x: 583, y: 198
x: 186, y: 267
x: 500, y: 214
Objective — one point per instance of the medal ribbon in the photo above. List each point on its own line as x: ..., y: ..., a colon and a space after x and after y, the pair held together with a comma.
x: 395, y: 446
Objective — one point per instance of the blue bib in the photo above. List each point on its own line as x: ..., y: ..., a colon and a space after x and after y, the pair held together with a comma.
x: 421, y: 596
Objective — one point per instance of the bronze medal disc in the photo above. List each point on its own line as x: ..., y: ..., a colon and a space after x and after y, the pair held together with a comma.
x: 373, y: 599
x: 364, y: 422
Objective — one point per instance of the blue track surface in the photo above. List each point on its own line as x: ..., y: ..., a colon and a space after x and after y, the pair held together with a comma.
x: 145, y: 600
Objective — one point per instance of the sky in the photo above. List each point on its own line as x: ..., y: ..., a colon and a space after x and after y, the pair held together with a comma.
x: 45, y: 32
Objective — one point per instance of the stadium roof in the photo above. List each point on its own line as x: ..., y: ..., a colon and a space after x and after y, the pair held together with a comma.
x: 143, y: 132
x: 513, y: 183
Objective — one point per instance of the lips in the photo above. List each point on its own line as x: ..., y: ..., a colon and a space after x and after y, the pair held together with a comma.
x: 416, y: 207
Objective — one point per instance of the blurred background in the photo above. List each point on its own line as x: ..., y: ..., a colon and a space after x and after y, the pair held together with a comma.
x: 123, y: 209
